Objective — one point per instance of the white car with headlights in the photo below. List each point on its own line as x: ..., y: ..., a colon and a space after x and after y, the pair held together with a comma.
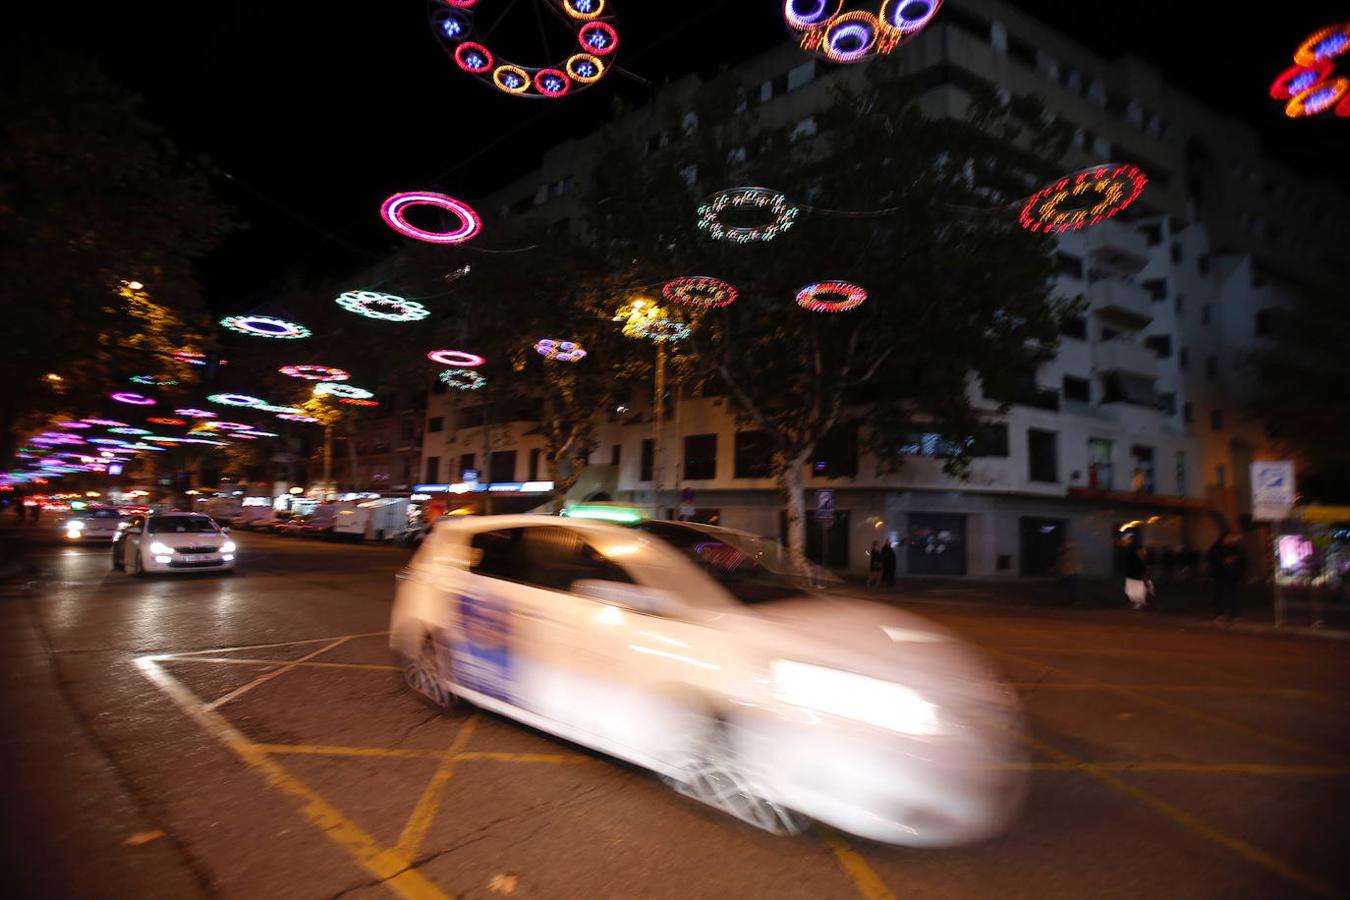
x: 93, y: 523
x: 173, y: 542
x: 694, y: 651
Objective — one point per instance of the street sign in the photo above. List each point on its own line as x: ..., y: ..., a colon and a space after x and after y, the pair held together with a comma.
x: 825, y: 506
x: 1272, y: 490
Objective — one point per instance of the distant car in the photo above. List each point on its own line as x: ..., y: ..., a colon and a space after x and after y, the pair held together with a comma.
x: 699, y: 653
x: 173, y: 542
x: 94, y: 523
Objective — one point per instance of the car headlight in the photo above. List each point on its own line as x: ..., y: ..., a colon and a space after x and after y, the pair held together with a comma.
x: 76, y: 525
x: 227, y: 547
x: 161, y: 549
x: 883, y: 704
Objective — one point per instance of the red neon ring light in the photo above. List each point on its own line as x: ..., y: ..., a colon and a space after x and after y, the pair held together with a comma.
x: 456, y: 358
x: 393, y: 211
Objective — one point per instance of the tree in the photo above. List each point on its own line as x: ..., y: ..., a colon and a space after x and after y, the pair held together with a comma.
x: 957, y: 290
x: 92, y: 197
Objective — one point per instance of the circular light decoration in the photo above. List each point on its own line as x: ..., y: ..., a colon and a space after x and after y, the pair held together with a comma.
x: 106, y: 423
x: 1323, y: 45
x: 315, y: 373
x: 813, y: 297
x: 1317, y: 99
x: 386, y: 307
x: 562, y: 351
x: 239, y: 435
x: 456, y: 358
x: 353, y: 401
x: 332, y: 389
x: 133, y: 399
x: 829, y: 31
x: 130, y: 430
x: 233, y: 400
x: 110, y: 442
x: 266, y: 326
x: 294, y: 417
x: 153, y: 380
x: 454, y: 24
x: 228, y: 426
x: 158, y: 421
x: 394, y: 212
x: 196, y: 413
x: 73, y: 425
x: 1297, y: 79
x: 279, y: 410
x: 463, y: 379
x: 782, y: 214
x: 1081, y: 200
x: 254, y: 434
x: 191, y: 357
x: 700, y: 291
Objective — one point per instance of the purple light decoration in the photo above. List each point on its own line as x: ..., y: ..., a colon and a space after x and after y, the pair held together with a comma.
x: 456, y: 358
x: 133, y: 399
x: 395, y: 209
x: 807, y: 14
x: 73, y: 425
x: 266, y: 326
x: 909, y: 16
x: 861, y: 34
x: 108, y: 423
x: 196, y: 413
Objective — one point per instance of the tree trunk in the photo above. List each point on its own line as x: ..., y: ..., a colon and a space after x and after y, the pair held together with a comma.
x: 793, y: 485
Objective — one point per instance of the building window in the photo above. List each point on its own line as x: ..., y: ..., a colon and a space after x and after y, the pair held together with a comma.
x: 1179, y: 467
x: 648, y: 460
x: 804, y: 129
x: 1141, y: 477
x: 990, y: 439
x: 1157, y: 288
x: 1202, y: 264
x: 433, y: 469
x: 1184, y: 358
x: 1216, y: 420
x: 1188, y: 413
x: 700, y: 457
x: 1042, y: 455
x: 802, y: 75
x: 1079, y: 389
x: 1074, y: 327
x: 1264, y: 322
x: 1176, y: 253
x: 1153, y: 233
x: 405, y: 431
x: 1068, y: 264
x: 1206, y: 313
x: 1211, y: 366
x: 465, y: 465
x: 836, y: 454
x: 1160, y: 344
x: 502, y: 467
x: 439, y: 387
x: 754, y: 455
x: 533, y: 473
x: 435, y: 424
x: 615, y: 454
x: 1101, y: 468
x: 1180, y: 303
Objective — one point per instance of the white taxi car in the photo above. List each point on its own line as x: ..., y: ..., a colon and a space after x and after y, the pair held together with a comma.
x: 693, y: 651
x: 93, y: 523
x: 173, y: 542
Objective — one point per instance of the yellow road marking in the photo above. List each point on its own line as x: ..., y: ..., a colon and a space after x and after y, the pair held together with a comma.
x: 868, y: 883
x: 1199, y: 715
x: 1186, y: 820
x: 236, y: 661
x: 349, y: 637
x: 384, y: 864
x: 1188, y: 768
x: 268, y: 676
x: 415, y: 830
x: 555, y: 759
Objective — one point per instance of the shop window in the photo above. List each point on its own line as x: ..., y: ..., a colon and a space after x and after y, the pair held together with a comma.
x: 936, y: 544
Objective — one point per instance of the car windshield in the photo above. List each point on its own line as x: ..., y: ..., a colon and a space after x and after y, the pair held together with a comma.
x: 752, y: 569
x: 181, y: 525
x: 99, y: 514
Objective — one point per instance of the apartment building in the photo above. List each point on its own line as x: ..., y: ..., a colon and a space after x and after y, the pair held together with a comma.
x: 1136, y: 427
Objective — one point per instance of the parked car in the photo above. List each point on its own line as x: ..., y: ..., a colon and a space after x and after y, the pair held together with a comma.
x: 699, y: 653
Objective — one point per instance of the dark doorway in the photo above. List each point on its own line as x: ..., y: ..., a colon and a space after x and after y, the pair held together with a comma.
x: 1040, y: 542
x: 937, y: 544
x: 838, y: 539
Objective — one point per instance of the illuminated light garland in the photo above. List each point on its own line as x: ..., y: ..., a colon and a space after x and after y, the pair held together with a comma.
x: 809, y: 297
x: 849, y: 37
x: 804, y: 15
x: 133, y: 399
x: 386, y: 307
x: 352, y: 401
x: 1317, y: 99
x: 315, y: 373
x: 196, y: 413
x: 908, y: 16
x: 394, y: 212
x: 239, y: 435
x: 187, y: 440
x: 455, y: 28
x: 332, y: 389
x: 279, y: 410
x: 463, y: 379
x: 233, y: 400
x: 1324, y: 44
x: 153, y: 380
x: 1099, y: 193
x: 190, y: 357
x: 1297, y: 79
x: 457, y: 358
x: 784, y: 214
x: 562, y: 351
x: 158, y: 421
x: 130, y: 430
x: 267, y: 327
x: 701, y: 291
x: 110, y: 442
x: 254, y: 433
x: 106, y: 423
x: 73, y: 425
x: 1343, y: 108
x: 227, y: 426
x: 297, y: 417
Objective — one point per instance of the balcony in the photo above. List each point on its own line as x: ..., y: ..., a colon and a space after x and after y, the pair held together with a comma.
x: 1120, y: 303
x: 1124, y: 357
x: 1117, y: 246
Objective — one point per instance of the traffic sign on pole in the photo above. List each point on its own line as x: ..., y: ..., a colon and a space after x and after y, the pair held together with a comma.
x: 825, y: 505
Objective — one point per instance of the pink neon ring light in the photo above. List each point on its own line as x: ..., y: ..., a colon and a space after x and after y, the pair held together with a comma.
x: 394, y: 209
x: 133, y: 399
x: 456, y: 358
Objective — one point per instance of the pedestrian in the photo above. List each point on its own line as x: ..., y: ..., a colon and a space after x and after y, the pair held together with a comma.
x: 888, y: 564
x: 1228, y: 565
x: 874, y: 565
x: 1138, y: 583
x: 1069, y: 569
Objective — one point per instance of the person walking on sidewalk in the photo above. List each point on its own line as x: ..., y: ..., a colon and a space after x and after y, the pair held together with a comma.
x: 874, y: 565
x: 887, y: 564
x: 1228, y: 563
x: 1138, y: 583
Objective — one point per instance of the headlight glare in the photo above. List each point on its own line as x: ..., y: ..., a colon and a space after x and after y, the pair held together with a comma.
x: 872, y: 701
x: 227, y: 547
x: 161, y: 549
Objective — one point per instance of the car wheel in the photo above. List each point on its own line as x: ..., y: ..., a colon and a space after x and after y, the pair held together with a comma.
x: 137, y: 565
x: 714, y: 775
x: 428, y: 675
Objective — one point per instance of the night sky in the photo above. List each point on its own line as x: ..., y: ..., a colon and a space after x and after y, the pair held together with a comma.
x: 317, y: 112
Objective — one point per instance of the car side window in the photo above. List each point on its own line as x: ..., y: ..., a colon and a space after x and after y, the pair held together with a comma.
x: 497, y: 554
x: 557, y: 557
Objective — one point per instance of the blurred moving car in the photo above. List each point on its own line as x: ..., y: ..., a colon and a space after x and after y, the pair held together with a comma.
x: 173, y: 542
x: 93, y: 523
x: 698, y: 653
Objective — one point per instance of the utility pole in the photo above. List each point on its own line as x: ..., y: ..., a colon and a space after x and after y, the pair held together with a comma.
x: 658, y: 427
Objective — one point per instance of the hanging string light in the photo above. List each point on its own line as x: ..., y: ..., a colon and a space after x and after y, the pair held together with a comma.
x: 562, y: 351
x: 782, y: 214
x: 456, y: 358
x: 700, y: 291
x: 347, y: 391
x: 463, y: 379
x: 315, y: 373
x: 385, y: 307
x: 267, y: 327
x: 1082, y: 200
x: 812, y: 297
x: 395, y: 209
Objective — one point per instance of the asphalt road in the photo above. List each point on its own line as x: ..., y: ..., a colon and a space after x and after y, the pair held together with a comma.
x: 247, y: 736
